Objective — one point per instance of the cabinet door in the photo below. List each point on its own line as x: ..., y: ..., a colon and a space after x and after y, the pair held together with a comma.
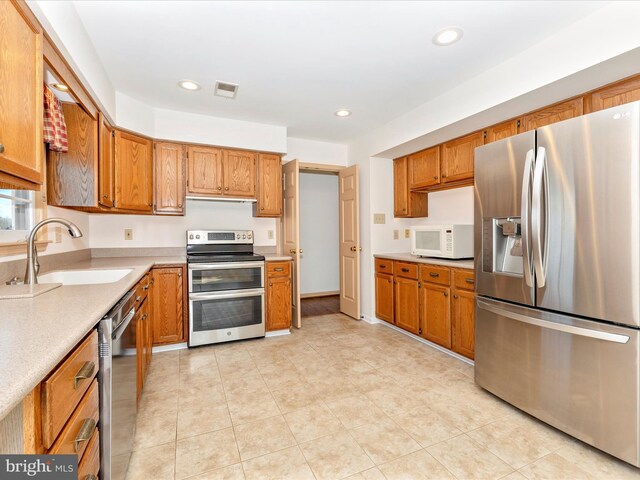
x: 134, y: 172
x: 457, y: 158
x: 106, y: 162
x: 239, y: 173
x: 552, y: 114
x: 400, y: 187
x: 205, y: 171
x: 384, y: 297
x: 424, y: 168
x: 269, y: 185
x: 278, y: 303
x: 616, y: 94
x: 169, y: 179
x: 407, y: 301
x: 502, y: 130
x: 21, y: 106
x: 435, y: 314
x: 463, y: 323
x: 167, y: 312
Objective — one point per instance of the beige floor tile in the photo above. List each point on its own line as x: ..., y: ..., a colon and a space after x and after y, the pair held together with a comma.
x: 155, y: 429
x: 371, y: 474
x: 312, y: 422
x: 514, y: 476
x: 277, y: 380
x: 161, y: 382
x: 232, y: 472
x: 384, y: 441
x: 262, y: 437
x: 195, y: 455
x: 295, y: 397
x: 418, y: 465
x: 426, y: 427
x: 253, y: 382
x: 155, y: 462
x: 596, y: 462
x: 355, y: 411
x: 466, y: 459
x: 287, y: 464
x: 189, y: 378
x: 252, y: 408
x: 393, y: 400
x: 196, y: 419
x: 335, y: 456
x: 555, y: 467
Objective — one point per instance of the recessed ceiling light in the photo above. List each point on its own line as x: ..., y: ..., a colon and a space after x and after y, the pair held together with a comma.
x: 188, y: 85
x: 60, y: 86
x: 447, y: 36
x: 343, y: 113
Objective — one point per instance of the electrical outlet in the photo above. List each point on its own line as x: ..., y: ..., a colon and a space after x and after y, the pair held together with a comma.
x: 396, y: 234
x: 379, y: 219
x: 407, y: 233
x: 270, y: 234
x: 58, y: 234
x: 128, y: 233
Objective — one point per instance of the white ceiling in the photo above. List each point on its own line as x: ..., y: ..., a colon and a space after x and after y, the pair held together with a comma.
x: 298, y: 62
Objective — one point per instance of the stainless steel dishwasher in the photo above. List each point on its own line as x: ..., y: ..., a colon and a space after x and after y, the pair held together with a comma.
x: 117, y: 379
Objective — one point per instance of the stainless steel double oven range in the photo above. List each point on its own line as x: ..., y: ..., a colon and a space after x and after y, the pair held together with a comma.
x: 226, y: 287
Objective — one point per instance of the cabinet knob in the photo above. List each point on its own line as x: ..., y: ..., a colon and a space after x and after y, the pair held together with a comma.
x: 455, y: 296
x: 1, y: 148
x: 261, y: 208
x: 226, y: 188
x: 446, y: 294
x: 179, y: 205
x: 271, y: 284
x: 219, y: 188
x: 435, y: 178
x: 444, y: 176
x: 105, y: 196
x: 404, y: 209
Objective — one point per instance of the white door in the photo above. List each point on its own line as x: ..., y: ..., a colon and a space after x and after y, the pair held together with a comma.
x: 349, y: 242
x: 291, y: 231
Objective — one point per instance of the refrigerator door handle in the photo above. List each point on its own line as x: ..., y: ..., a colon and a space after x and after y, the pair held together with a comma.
x: 525, y: 217
x: 539, y: 183
x: 561, y: 327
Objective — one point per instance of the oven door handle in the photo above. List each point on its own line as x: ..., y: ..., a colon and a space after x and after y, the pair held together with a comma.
x: 224, y: 266
x: 226, y: 294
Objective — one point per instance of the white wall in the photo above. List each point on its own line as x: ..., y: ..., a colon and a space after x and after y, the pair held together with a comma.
x: 319, y: 233
x: 312, y: 151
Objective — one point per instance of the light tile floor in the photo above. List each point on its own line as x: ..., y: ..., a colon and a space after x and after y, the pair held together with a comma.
x: 341, y: 399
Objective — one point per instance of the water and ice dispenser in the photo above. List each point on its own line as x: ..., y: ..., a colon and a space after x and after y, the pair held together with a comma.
x: 502, y: 246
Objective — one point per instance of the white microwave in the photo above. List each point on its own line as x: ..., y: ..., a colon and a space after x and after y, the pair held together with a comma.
x: 444, y: 241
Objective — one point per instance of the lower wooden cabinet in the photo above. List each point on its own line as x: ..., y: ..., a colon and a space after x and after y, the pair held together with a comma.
x: 407, y: 302
x: 435, y: 314
x: 463, y: 323
x: 384, y: 297
x: 167, y: 312
x: 143, y: 346
x: 278, y: 295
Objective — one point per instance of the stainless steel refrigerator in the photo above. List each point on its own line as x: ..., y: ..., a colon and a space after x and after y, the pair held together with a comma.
x: 557, y: 262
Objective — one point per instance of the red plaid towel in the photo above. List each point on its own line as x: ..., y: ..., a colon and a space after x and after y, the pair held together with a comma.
x: 55, y: 130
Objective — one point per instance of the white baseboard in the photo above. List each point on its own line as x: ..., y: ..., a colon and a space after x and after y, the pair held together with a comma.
x: 169, y: 348
x: 278, y: 333
x: 422, y: 340
x: 371, y: 320
x: 320, y: 294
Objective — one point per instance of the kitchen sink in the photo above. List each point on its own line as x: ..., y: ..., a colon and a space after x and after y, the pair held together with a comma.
x: 84, y: 277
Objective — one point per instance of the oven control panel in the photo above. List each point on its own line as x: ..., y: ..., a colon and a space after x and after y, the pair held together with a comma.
x: 214, y: 237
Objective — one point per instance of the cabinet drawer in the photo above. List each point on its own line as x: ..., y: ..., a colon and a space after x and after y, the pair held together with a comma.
x: 278, y: 269
x: 434, y: 274
x: 384, y: 266
x: 64, y: 388
x: 406, y: 270
x: 463, y: 279
x: 79, y: 430
x: 90, y: 463
x: 142, y: 289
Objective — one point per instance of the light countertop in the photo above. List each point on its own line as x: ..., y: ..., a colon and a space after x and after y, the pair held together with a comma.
x: 274, y: 257
x: 37, y: 333
x: 407, y: 257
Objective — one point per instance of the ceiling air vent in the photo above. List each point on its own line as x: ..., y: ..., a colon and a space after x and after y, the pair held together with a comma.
x: 226, y: 90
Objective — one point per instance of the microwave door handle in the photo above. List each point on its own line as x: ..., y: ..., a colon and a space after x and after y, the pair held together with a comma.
x: 526, y: 217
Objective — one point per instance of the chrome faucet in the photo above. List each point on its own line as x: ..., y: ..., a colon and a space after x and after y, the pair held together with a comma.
x: 33, y: 267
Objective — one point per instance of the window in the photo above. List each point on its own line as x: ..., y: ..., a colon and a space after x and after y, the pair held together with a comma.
x: 17, y: 214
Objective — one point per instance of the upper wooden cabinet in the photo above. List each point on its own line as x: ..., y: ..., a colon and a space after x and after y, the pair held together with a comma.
x: 21, y: 97
x: 169, y: 183
x: 205, y: 171
x: 405, y: 202
x: 502, y: 130
x: 167, y: 308
x: 106, y: 162
x: 424, y: 168
x: 269, y: 186
x: 552, y: 114
x: 239, y: 173
x: 72, y: 175
x: 619, y: 93
x: 457, y: 158
x: 133, y: 172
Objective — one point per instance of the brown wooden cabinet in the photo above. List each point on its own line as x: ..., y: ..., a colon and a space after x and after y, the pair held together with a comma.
x: 167, y: 310
x: 106, y: 162
x: 133, y: 172
x: 21, y: 107
x: 457, y: 158
x: 142, y: 321
x: 407, y: 304
x: 269, y: 186
x: 502, y: 130
x: 424, y: 168
x: 205, y: 171
x: 278, y: 293
x: 239, y: 173
x: 463, y: 323
x: 552, y: 114
x: 618, y: 93
x: 435, y: 313
x: 406, y: 203
x: 384, y: 289
x: 169, y: 182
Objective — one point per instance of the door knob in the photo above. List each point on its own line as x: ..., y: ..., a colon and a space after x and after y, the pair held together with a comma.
x: 353, y: 249
x: 292, y: 251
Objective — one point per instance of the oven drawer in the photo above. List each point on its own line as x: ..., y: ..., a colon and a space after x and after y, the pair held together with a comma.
x: 219, y: 277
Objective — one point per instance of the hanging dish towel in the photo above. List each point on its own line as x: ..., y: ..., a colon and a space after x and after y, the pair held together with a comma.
x: 55, y: 130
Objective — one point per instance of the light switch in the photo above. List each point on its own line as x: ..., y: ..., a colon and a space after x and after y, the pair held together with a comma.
x: 128, y: 233
x: 379, y: 219
x: 270, y: 234
x: 407, y: 233
x: 396, y: 234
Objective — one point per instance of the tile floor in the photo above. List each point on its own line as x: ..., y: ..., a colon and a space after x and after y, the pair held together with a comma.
x: 341, y: 399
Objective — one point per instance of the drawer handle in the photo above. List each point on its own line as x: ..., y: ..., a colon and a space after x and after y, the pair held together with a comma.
x: 138, y: 298
x: 405, y: 270
x: 279, y: 269
x: 145, y: 288
x: 85, y: 433
x: 434, y: 275
x: 383, y: 266
x: 90, y: 476
x: 86, y: 371
x: 469, y: 280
